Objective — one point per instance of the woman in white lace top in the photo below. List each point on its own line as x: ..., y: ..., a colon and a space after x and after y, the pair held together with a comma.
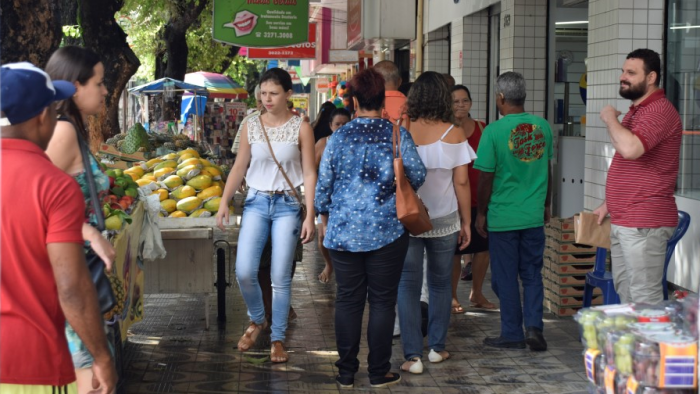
x: 271, y: 206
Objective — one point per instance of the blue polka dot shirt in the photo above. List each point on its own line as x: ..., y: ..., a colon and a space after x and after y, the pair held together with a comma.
x: 356, y: 186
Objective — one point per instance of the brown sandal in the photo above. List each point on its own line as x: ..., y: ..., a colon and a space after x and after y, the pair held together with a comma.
x: 250, y: 336
x: 277, y: 352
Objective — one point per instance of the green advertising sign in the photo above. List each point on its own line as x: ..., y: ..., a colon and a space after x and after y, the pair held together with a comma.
x: 261, y: 23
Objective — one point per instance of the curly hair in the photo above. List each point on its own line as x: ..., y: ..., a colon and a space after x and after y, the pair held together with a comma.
x: 430, y: 99
x: 367, y: 87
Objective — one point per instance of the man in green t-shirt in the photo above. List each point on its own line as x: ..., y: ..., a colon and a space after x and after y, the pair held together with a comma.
x: 514, y: 203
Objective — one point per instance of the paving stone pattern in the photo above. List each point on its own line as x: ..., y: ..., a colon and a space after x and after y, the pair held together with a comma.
x: 171, y: 352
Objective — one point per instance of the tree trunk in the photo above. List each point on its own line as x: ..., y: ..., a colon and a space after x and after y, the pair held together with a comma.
x: 69, y: 17
x: 102, y: 34
x: 30, y: 30
x: 173, y: 63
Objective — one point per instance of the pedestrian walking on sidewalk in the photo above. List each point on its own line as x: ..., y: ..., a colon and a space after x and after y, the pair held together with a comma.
x: 272, y: 206
x: 45, y: 279
x: 444, y: 150
x: 356, y: 198
x: 479, y: 246
x: 515, y: 187
x: 83, y: 68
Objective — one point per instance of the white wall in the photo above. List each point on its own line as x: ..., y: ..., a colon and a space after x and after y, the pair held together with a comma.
x: 684, y: 268
x: 438, y: 13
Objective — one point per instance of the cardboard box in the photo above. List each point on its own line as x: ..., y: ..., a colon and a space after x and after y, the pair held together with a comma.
x: 118, y: 164
x: 560, y: 311
x: 561, y: 225
x: 569, y: 247
x: 556, y: 235
x: 568, y: 259
x: 568, y: 301
x: 568, y: 269
x: 109, y: 150
x: 568, y: 291
x: 563, y: 279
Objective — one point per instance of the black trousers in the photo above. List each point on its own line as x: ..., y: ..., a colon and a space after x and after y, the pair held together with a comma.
x: 363, y: 276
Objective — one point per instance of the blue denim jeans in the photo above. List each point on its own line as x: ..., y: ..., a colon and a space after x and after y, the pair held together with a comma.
x: 278, y: 216
x: 440, y: 252
x: 516, y: 254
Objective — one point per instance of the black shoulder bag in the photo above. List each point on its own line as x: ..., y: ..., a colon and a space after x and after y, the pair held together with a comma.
x: 96, y: 266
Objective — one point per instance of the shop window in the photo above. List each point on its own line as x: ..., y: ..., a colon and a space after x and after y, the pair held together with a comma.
x: 682, y: 84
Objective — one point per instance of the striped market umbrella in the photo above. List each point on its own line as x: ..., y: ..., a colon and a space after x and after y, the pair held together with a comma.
x: 218, y: 85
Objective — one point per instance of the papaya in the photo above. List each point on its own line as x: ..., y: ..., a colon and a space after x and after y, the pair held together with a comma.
x: 189, y: 204
x: 200, y: 182
x: 153, y: 162
x: 183, y: 192
x: 213, y: 204
x: 200, y: 213
x: 162, y: 194
x: 193, y: 161
x: 151, y: 177
x: 169, y: 205
x: 211, y: 191
x: 190, y: 151
x: 135, y: 170
x: 205, y: 162
x: 177, y: 214
x: 220, y: 184
x: 164, y: 164
x: 163, y: 171
x: 170, y: 156
x: 143, y: 182
x: 173, y: 181
x: 188, y: 172
x: 215, y: 172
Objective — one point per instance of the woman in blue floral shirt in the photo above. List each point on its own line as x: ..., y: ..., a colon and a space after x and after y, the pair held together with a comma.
x: 356, y: 198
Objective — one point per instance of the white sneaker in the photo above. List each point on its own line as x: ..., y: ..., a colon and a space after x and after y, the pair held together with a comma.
x: 436, y: 357
x: 414, y: 366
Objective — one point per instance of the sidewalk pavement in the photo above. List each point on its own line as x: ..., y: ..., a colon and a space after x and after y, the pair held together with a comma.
x: 171, y: 352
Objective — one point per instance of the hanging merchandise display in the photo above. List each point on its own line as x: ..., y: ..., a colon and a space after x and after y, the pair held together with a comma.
x: 261, y: 24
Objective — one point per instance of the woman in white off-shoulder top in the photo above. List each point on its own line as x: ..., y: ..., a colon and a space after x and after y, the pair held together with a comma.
x: 445, y: 152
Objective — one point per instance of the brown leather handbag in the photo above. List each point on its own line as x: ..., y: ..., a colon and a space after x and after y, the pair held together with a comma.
x: 410, y: 209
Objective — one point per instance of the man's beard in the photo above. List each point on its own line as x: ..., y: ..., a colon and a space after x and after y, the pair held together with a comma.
x: 633, y: 92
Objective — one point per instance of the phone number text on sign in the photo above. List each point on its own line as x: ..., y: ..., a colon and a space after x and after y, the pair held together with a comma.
x: 275, y: 34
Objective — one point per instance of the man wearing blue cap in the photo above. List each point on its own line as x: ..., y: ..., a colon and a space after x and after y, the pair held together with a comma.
x: 43, y: 277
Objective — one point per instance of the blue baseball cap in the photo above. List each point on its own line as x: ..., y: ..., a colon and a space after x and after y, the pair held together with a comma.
x: 25, y: 90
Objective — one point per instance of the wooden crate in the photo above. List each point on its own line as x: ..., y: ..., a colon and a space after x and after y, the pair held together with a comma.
x: 559, y: 236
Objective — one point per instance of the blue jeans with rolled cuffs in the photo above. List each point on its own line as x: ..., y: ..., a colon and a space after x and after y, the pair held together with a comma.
x: 440, y: 251
x: 264, y: 215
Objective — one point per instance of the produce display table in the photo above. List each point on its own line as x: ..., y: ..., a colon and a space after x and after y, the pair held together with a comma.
x: 188, y: 267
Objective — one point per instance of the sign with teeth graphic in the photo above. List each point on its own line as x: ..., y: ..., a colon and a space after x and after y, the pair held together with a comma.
x: 261, y: 23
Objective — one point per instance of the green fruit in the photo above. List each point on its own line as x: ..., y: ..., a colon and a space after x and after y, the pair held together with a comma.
x: 189, y: 204
x: 118, y: 191
x: 131, y: 192
x: 136, y: 138
x: 121, y: 182
x: 114, y: 223
x: 118, y: 172
x: 111, y: 172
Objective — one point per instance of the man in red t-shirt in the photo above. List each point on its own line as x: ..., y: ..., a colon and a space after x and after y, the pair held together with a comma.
x: 394, y: 101
x: 44, y: 278
x: 639, y: 192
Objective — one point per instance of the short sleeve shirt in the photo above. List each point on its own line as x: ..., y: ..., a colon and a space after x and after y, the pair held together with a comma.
x: 473, y: 141
x: 40, y: 205
x: 640, y: 193
x: 517, y: 149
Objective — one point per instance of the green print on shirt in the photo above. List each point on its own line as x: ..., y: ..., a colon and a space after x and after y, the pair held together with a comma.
x: 527, y: 142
